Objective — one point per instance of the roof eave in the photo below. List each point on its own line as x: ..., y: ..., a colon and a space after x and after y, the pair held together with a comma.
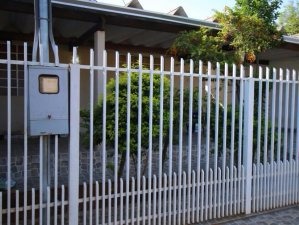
x: 136, y: 13
x: 290, y: 39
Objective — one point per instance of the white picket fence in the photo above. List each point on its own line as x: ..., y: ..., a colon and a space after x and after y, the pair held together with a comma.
x: 242, y: 159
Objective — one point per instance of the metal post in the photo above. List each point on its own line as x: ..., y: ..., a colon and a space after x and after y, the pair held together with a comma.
x: 297, y: 125
x: 44, y: 58
x: 46, y: 175
x: 248, y: 137
x: 74, y: 144
x: 44, y: 29
x: 99, y: 47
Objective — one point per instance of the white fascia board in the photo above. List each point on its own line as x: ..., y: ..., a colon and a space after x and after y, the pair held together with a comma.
x: 290, y: 39
x: 96, y: 6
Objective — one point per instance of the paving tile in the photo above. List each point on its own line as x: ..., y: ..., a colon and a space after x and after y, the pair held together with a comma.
x: 283, y: 216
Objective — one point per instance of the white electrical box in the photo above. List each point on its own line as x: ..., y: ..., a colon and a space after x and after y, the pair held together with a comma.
x: 48, y: 100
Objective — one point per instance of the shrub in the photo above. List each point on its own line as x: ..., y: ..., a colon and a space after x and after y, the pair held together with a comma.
x: 122, y: 128
x: 229, y: 124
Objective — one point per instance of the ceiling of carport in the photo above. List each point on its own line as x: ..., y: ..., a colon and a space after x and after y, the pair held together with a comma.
x: 69, y: 22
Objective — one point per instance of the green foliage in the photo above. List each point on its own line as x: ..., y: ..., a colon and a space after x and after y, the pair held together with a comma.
x: 123, y: 98
x: 231, y: 124
x: 246, y: 34
x: 267, y: 10
x: 246, y: 30
x: 289, y: 18
x: 200, y: 45
x: 122, y: 127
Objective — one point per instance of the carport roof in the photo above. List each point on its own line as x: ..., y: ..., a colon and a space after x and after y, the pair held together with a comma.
x: 139, y: 14
x: 75, y: 21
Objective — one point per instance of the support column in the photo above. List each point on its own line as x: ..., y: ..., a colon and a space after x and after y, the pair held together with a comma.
x: 297, y: 124
x: 74, y: 145
x: 248, y: 138
x: 44, y: 30
x: 99, y: 47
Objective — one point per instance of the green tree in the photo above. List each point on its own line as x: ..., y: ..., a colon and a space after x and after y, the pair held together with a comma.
x: 247, y: 34
x: 200, y: 44
x: 289, y: 18
x: 267, y: 10
x: 246, y: 30
x: 249, y: 27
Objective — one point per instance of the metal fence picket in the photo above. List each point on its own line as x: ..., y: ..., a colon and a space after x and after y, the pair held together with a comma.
x: 210, y: 164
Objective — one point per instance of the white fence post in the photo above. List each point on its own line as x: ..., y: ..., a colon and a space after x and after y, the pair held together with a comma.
x: 297, y: 128
x: 248, y: 137
x: 74, y: 144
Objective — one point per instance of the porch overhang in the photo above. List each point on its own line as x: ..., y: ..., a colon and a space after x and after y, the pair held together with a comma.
x: 75, y: 21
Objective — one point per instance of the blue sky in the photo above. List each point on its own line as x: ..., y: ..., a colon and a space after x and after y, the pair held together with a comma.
x: 197, y: 9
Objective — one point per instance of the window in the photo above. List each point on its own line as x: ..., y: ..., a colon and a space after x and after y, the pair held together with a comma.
x: 17, y: 71
x: 48, y: 84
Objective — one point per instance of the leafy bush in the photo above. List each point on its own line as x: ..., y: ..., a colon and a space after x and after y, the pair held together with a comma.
x: 229, y: 124
x: 122, y: 128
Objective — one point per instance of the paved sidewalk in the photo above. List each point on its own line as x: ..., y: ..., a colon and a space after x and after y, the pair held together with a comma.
x: 284, y: 216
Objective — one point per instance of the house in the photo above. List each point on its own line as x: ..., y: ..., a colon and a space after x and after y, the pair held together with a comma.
x: 90, y: 24
x: 86, y: 25
x: 284, y: 56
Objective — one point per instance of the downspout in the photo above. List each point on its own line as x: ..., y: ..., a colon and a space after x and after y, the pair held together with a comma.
x: 43, y: 32
x: 42, y: 35
x: 36, y: 31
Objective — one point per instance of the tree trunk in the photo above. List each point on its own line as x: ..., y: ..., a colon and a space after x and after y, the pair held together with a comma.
x: 165, y: 147
x: 122, y: 164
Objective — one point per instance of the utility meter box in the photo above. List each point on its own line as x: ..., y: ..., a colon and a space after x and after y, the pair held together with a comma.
x: 48, y: 97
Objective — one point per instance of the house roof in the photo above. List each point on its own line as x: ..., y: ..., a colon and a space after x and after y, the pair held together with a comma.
x: 76, y: 21
x: 294, y: 39
x: 179, y: 11
x: 288, y: 49
x: 134, y: 4
x: 134, y: 12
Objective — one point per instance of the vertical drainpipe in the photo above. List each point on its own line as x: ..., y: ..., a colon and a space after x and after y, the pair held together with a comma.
x: 44, y: 57
x: 44, y: 29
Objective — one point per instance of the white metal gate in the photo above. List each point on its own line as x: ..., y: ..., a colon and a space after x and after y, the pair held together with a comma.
x: 175, y: 146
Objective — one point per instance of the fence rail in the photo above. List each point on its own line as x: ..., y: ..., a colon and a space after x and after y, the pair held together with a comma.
x: 192, y: 143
